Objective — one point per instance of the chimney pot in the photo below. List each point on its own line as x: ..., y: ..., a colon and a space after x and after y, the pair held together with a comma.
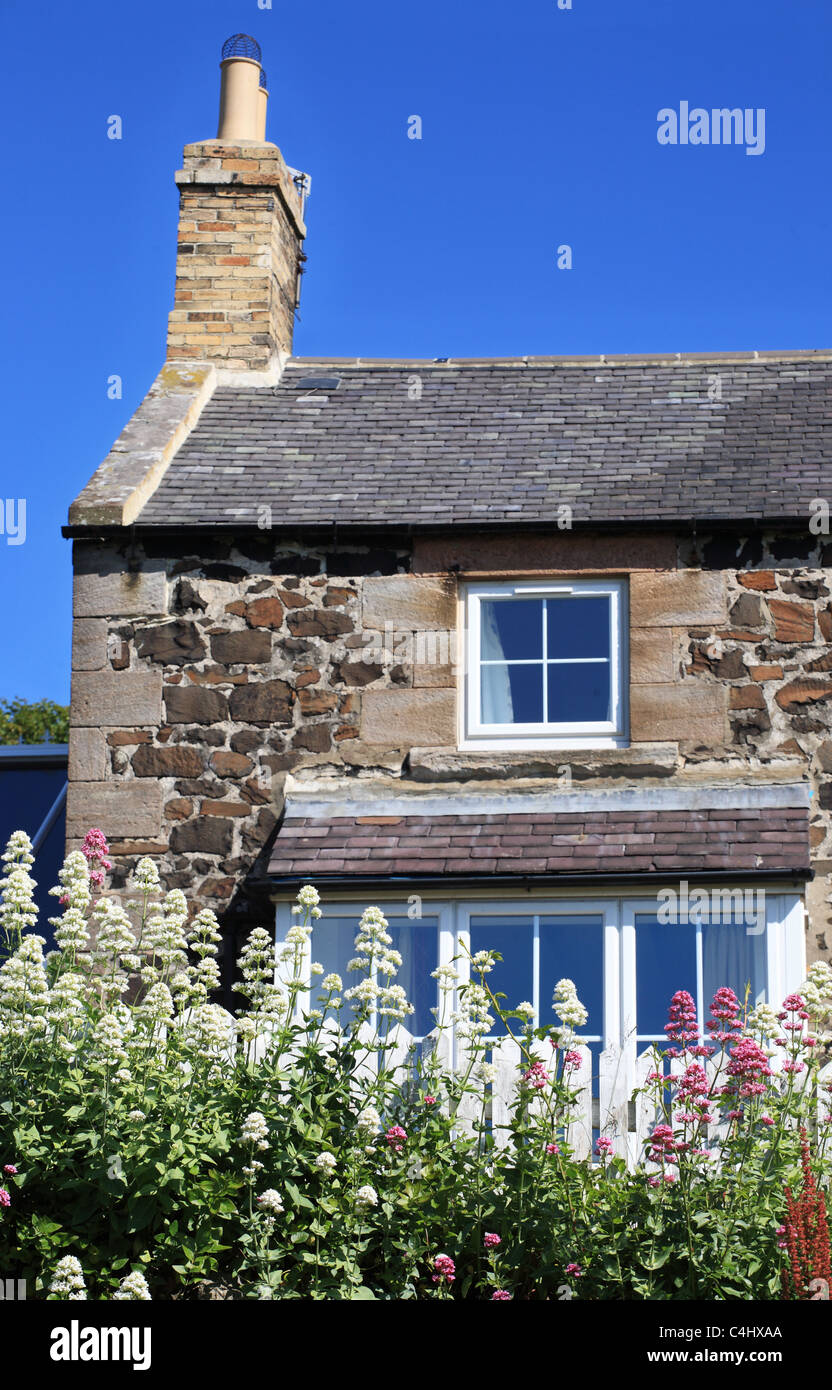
x: 242, y: 103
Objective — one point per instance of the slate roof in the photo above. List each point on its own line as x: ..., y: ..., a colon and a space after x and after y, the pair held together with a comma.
x: 590, y: 842
x: 466, y: 442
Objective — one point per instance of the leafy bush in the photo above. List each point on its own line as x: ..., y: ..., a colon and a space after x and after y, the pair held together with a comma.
x: 153, y: 1142
x: 24, y: 721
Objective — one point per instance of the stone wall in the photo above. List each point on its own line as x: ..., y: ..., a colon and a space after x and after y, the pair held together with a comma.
x: 199, y: 681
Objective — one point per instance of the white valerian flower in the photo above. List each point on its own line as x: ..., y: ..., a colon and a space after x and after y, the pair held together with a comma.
x: 364, y: 995
x: 393, y: 1002
x: 472, y: 1019
x: 316, y: 969
x: 568, y: 1006
x: 308, y: 896
x: 18, y: 849
x: 326, y: 1163
x: 146, y: 877
x: 332, y: 983
x: 446, y: 975
x: 24, y: 990
x: 17, y: 904
x: 73, y: 884
x: 68, y: 1280
x: 108, y: 1041
x: 486, y: 1073
x: 133, y: 1287
x: 210, y: 1028
x: 254, y: 1128
x: 483, y: 962
x: 763, y: 1020
x: 270, y: 1200
x: 526, y: 1009
x: 366, y: 1198
x: 136, y: 1116
x: 369, y: 1120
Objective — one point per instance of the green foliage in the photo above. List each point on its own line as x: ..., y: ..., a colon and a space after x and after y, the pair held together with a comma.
x: 30, y: 721
x: 299, y: 1164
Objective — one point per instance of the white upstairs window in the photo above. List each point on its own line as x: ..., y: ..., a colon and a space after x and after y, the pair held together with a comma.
x: 546, y: 664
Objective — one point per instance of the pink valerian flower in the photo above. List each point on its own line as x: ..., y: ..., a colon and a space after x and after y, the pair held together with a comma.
x: 491, y: 1241
x: 9, y: 1168
x: 724, y: 1020
x: 536, y: 1076
x: 681, y: 1027
x: 603, y: 1146
x: 652, y: 1182
x: 794, y: 1067
x: 5, y: 1199
x: 571, y: 1061
x: 553, y: 1149
x: 396, y: 1137
x: 445, y: 1269
x: 95, y: 850
x: 663, y: 1146
x: 430, y: 1100
x: 574, y: 1270
x: 670, y: 1177
x: 747, y: 1069
x: 501, y: 1296
x: 766, y: 1120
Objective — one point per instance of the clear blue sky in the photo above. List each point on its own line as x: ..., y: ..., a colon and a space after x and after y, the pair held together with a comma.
x: 539, y: 129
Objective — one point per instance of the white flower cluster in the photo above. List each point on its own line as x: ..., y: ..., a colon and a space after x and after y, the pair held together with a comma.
x: 68, y: 1280
x: 472, y: 1018
x: 483, y: 962
x: 763, y: 1021
x: 133, y: 1288
x: 271, y: 1201
x: 18, y: 912
x: 817, y: 991
x: 366, y: 1198
x: 24, y: 991
x: 326, y: 1163
x: 568, y: 1006
x: 255, y: 1130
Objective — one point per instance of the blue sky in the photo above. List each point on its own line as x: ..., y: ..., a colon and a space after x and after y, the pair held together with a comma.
x: 538, y: 130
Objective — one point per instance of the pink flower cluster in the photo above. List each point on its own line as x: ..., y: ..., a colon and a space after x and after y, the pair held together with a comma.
x: 603, y: 1146
x: 5, y: 1199
x: 536, y: 1076
x: 445, y: 1269
x: 491, y: 1241
x: 95, y: 850
x: 396, y: 1137
x: 748, y: 1069
x: 682, y: 1025
x: 553, y: 1148
x: 571, y: 1061
x: 9, y: 1168
x: 725, y: 1019
x: 575, y: 1271
x: 501, y: 1296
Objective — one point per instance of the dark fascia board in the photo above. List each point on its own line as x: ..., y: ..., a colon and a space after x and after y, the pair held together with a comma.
x: 325, y: 529
x: 39, y: 754
x: 275, y: 886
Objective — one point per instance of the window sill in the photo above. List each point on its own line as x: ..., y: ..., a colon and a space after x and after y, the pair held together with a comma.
x: 658, y: 760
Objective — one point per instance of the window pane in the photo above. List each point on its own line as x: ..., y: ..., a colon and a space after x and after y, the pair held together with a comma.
x: 512, y: 937
x: 572, y: 948
x: 578, y: 626
x: 512, y: 694
x: 733, y: 957
x: 418, y: 945
x: 580, y: 693
x: 333, y: 947
x: 511, y: 628
x: 665, y: 963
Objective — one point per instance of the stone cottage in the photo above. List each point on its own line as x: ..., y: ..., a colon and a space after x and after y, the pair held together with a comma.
x: 533, y: 652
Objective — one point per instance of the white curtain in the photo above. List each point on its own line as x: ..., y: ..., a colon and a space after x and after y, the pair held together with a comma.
x: 495, y: 687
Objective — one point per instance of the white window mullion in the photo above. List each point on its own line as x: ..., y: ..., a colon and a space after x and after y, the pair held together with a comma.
x: 535, y: 999
x: 545, y: 662
x: 700, y: 979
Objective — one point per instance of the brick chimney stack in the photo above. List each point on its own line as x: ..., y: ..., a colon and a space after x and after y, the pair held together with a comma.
x: 241, y: 233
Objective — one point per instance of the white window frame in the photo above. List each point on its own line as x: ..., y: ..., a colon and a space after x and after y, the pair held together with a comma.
x: 785, y: 945
x: 611, y: 733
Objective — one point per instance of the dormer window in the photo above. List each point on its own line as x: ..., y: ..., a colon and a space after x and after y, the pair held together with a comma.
x: 546, y: 664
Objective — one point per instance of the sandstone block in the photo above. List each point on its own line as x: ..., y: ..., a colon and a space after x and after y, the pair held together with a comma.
x: 651, y: 655
x: 116, y: 698
x: 120, y: 809
x: 205, y: 835
x: 194, y: 704
x: 230, y: 764
x: 262, y: 702
x: 114, y: 593
x: 409, y: 601
x: 87, y: 755
x: 689, y: 710
x: 250, y: 647
x: 409, y: 718
x: 89, y: 644
x: 171, y: 644
x: 175, y: 760
x: 793, y: 622
x: 677, y: 598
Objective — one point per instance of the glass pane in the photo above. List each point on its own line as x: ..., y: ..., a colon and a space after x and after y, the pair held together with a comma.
x: 512, y: 937
x: 511, y: 629
x: 578, y: 626
x: 579, y: 694
x: 333, y: 947
x: 573, y: 948
x: 665, y: 963
x: 734, y: 956
x: 418, y: 945
x: 512, y: 694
